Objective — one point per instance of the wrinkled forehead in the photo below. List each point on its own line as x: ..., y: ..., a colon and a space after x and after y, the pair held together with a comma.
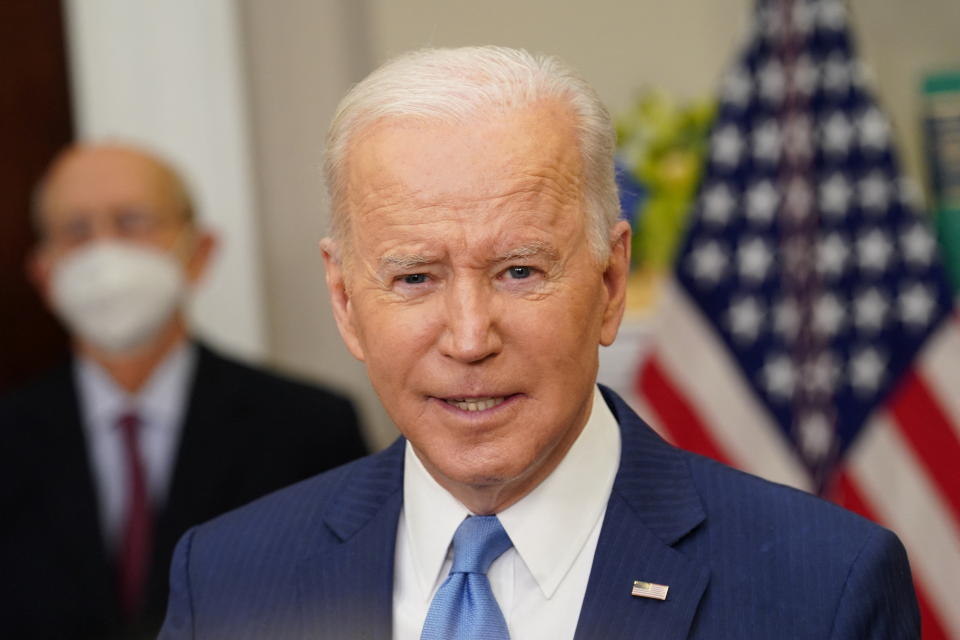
x: 406, y: 163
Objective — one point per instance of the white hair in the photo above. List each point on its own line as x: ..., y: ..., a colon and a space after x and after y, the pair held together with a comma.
x: 451, y: 85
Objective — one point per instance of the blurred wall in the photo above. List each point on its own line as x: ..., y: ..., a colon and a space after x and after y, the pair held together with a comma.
x: 302, y: 56
x: 168, y: 76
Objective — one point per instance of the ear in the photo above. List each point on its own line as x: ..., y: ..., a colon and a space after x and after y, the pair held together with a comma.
x: 39, y: 267
x: 340, y: 297
x: 204, y: 247
x: 615, y: 282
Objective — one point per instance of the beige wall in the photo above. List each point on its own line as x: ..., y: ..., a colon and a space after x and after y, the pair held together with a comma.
x: 619, y: 46
x: 303, y: 54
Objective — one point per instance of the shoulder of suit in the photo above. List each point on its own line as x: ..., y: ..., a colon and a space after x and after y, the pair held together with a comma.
x: 38, y: 393
x: 298, y: 507
x: 263, y: 381
x: 731, y: 493
x: 727, y: 493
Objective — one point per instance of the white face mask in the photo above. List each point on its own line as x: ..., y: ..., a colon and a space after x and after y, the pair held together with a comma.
x: 117, y: 295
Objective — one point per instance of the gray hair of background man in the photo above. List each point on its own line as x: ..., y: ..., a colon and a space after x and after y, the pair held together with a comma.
x: 453, y: 85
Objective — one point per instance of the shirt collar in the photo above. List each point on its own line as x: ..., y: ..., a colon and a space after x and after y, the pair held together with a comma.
x: 160, y: 401
x: 548, y: 526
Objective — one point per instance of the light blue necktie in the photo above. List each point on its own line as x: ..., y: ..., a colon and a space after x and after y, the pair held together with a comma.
x: 464, y: 607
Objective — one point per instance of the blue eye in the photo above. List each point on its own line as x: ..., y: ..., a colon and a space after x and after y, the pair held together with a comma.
x: 415, y: 278
x: 519, y: 273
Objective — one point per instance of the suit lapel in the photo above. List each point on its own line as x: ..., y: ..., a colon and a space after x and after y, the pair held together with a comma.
x: 654, y: 504
x: 206, y: 429
x: 347, y: 590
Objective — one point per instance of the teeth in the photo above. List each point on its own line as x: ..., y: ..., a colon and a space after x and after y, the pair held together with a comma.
x: 475, y: 404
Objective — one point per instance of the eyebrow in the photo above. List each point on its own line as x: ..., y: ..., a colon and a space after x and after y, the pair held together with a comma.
x: 403, y: 262
x: 411, y: 261
x: 536, y: 248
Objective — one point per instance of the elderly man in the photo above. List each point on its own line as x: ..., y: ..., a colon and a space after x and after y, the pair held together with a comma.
x: 476, y: 264
x: 109, y: 459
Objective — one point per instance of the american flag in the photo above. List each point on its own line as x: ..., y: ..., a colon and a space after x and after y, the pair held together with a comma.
x: 808, y: 333
x: 652, y: 590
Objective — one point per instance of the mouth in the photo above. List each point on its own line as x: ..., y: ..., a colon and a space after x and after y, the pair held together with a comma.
x: 475, y: 404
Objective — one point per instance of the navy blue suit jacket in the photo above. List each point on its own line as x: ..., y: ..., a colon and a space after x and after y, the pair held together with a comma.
x: 246, y: 433
x: 744, y: 558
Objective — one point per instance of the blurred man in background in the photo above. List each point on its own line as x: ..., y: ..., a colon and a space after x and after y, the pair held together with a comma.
x: 145, y: 432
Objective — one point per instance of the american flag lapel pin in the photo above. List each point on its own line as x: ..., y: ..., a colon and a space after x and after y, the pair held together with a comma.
x: 643, y: 589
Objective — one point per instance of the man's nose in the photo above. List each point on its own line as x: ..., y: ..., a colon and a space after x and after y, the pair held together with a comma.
x: 471, y: 333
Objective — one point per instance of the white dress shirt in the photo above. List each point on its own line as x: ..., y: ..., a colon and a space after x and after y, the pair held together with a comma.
x: 160, y: 405
x: 540, y: 582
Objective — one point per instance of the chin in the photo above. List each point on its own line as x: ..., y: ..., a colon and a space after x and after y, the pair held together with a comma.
x: 487, y: 471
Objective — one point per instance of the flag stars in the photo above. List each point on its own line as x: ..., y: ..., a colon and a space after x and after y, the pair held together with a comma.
x: 766, y: 142
x: 708, y: 262
x: 771, y: 22
x: 737, y: 88
x: 866, y: 369
x: 762, y: 201
x: 786, y: 319
x: 874, y: 130
x: 837, y: 73
x: 802, y: 17
x: 821, y: 374
x: 805, y: 76
x: 754, y: 259
x: 837, y: 134
x: 832, y: 254
x: 835, y: 194
x: 718, y: 203
x: 815, y: 433
x: 874, y: 193
x: 832, y: 15
x: 874, y: 251
x: 745, y: 318
x: 772, y: 82
x: 918, y: 245
x: 797, y: 141
x: 779, y: 377
x: 916, y: 304
x: 829, y: 315
x: 870, y: 309
x: 727, y: 146
x: 799, y: 199
x: 797, y: 257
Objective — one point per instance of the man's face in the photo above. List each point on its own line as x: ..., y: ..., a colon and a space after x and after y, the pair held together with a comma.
x: 471, y: 294
x: 108, y: 193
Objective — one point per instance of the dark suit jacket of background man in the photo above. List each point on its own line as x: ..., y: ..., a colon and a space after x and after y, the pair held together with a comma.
x: 743, y: 558
x: 246, y: 433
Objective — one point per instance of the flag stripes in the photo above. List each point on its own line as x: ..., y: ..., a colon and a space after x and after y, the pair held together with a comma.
x: 847, y: 495
x: 935, y: 444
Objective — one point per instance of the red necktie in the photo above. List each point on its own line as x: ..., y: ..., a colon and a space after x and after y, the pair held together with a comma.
x: 135, y: 545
